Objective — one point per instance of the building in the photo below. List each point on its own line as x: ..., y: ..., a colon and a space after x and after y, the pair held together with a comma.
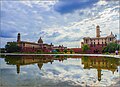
x: 97, y: 43
x: 37, y: 47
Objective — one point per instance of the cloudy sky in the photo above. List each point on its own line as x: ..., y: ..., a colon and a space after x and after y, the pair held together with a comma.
x: 62, y: 22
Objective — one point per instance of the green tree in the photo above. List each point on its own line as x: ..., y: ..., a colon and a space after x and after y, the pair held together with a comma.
x: 12, y: 47
x: 71, y: 51
x: 57, y: 50
x: 65, y: 50
x: 2, y: 50
x: 111, y: 47
x: 85, y: 47
x: 118, y: 46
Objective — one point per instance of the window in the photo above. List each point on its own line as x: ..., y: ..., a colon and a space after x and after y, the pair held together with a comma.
x: 23, y: 44
x: 86, y: 41
x: 91, y: 44
x: 110, y: 39
x: 102, y: 44
x: 98, y: 43
x: 94, y: 44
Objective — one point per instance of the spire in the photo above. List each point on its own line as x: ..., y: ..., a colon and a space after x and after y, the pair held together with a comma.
x: 18, y: 69
x: 111, y: 33
x: 18, y: 37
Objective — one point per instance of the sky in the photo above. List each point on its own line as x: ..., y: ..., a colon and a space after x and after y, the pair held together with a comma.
x: 61, y: 22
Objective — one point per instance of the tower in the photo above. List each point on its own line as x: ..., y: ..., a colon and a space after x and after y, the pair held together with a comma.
x: 99, y: 74
x: 18, y: 68
x: 18, y: 37
x: 97, y: 31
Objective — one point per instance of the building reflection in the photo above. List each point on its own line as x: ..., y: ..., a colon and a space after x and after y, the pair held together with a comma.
x: 28, y: 60
x: 98, y: 63
x: 101, y: 63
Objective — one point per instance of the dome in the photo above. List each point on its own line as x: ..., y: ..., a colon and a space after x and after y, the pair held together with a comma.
x: 40, y: 40
x: 40, y: 65
x: 97, y: 26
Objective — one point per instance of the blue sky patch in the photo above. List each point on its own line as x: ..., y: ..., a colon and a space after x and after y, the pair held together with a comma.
x: 68, y: 6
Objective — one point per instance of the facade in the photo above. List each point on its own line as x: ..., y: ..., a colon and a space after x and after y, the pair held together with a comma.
x: 37, y: 47
x: 97, y: 43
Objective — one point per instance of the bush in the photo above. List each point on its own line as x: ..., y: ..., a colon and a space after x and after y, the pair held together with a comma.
x: 12, y: 47
x: 111, y: 48
x: 65, y: 51
x: 85, y: 47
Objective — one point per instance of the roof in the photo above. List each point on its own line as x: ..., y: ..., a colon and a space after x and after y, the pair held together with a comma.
x: 95, y: 38
x: 29, y: 42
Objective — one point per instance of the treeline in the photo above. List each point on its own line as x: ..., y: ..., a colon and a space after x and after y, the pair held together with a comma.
x: 111, y: 48
x: 10, y: 48
x: 13, y: 47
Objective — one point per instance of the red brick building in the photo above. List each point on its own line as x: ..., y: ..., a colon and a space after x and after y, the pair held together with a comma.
x: 37, y: 47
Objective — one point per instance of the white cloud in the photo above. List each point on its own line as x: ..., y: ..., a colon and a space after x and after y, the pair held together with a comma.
x: 102, y: 2
x: 47, y: 5
x: 40, y: 19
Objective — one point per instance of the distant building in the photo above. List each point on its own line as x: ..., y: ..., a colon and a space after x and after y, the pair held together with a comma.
x: 34, y: 47
x: 97, y: 43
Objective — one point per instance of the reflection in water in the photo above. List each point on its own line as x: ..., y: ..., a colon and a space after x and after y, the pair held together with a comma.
x: 27, y: 60
x: 99, y: 63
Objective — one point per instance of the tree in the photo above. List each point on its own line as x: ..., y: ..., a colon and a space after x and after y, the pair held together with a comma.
x: 118, y: 47
x: 12, y: 47
x: 111, y: 47
x: 57, y: 50
x: 2, y: 50
x: 71, y: 51
x: 65, y: 50
x: 85, y: 47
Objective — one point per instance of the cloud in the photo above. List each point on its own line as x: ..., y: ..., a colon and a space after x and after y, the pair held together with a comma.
x: 58, y: 27
x: 66, y: 6
x: 8, y: 32
x: 72, y: 71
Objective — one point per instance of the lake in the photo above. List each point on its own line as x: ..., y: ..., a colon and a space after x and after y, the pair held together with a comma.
x: 59, y: 71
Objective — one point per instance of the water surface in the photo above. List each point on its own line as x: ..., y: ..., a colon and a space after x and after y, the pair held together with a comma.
x: 59, y: 71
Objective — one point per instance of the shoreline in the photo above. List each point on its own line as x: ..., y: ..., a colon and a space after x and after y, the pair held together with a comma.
x: 20, y: 54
